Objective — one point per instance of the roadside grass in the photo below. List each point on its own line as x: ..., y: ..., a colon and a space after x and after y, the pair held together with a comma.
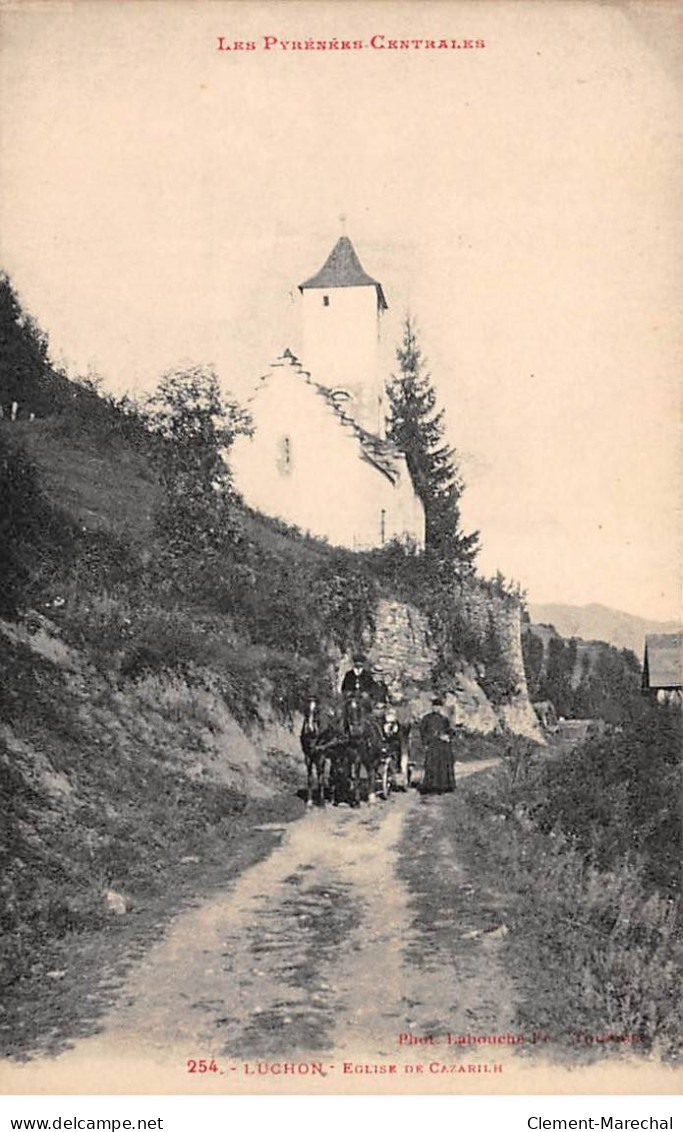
x: 596, y: 952
x: 472, y: 747
x: 71, y: 977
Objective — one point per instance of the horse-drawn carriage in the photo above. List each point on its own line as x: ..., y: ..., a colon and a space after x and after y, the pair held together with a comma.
x: 353, y: 752
x: 395, y: 768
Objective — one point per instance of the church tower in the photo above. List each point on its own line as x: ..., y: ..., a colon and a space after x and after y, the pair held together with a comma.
x: 342, y: 313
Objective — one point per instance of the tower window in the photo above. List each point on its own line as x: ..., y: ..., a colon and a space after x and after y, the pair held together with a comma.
x: 326, y: 300
x: 382, y: 527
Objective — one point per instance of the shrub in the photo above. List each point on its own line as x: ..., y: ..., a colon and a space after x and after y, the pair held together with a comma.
x: 607, y: 954
x: 618, y: 796
x: 596, y: 951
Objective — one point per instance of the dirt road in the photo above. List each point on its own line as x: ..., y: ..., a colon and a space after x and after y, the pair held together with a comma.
x: 359, y: 937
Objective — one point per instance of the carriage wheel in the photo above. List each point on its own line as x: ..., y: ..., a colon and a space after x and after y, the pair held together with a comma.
x: 385, y: 789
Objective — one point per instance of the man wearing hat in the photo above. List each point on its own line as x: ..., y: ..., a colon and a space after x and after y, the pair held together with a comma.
x: 358, y: 680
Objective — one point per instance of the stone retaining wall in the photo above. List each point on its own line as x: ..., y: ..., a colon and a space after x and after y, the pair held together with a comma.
x: 403, y: 654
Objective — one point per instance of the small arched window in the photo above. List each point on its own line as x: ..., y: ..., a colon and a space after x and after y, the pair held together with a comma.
x: 326, y: 300
x: 284, y: 456
x: 382, y: 527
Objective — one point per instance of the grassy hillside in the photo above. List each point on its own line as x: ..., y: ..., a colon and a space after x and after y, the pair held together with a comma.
x: 114, y: 588
x: 102, y: 487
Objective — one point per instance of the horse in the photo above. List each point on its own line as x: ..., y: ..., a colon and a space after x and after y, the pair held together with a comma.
x: 366, y: 743
x: 327, y: 752
x: 327, y: 749
x: 314, y: 752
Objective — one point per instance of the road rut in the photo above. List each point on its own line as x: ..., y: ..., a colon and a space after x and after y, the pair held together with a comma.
x: 319, y: 952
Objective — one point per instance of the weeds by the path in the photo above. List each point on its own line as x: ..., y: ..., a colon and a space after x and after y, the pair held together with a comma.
x: 593, y: 914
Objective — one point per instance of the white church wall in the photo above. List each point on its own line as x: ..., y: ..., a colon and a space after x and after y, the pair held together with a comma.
x: 303, y: 466
x: 408, y: 512
x: 342, y: 358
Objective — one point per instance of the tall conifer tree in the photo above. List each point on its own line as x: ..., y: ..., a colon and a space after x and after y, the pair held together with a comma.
x: 417, y: 426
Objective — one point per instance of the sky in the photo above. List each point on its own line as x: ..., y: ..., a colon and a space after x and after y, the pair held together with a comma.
x: 161, y: 200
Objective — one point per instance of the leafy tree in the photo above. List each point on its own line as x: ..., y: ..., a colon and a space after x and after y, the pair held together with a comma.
x: 498, y: 679
x: 533, y: 654
x: 188, y: 411
x: 556, y: 684
x: 609, y: 688
x: 416, y: 425
x: 196, y: 427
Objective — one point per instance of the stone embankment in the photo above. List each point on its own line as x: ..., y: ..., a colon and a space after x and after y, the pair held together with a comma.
x: 403, y: 653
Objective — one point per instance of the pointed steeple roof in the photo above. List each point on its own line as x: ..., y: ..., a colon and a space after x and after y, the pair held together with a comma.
x: 342, y: 268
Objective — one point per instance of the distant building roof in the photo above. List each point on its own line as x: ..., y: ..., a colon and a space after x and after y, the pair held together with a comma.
x: 663, y: 662
x: 342, y: 268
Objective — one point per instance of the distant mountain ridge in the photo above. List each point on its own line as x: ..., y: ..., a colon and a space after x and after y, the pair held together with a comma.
x: 600, y: 623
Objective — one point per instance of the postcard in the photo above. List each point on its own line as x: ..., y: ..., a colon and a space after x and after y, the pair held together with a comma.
x: 341, y: 492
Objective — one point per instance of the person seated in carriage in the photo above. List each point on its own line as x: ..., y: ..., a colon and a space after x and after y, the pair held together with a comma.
x: 396, y: 729
x: 391, y: 731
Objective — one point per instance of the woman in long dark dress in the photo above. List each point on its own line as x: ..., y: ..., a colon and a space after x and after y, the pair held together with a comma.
x: 436, y: 734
